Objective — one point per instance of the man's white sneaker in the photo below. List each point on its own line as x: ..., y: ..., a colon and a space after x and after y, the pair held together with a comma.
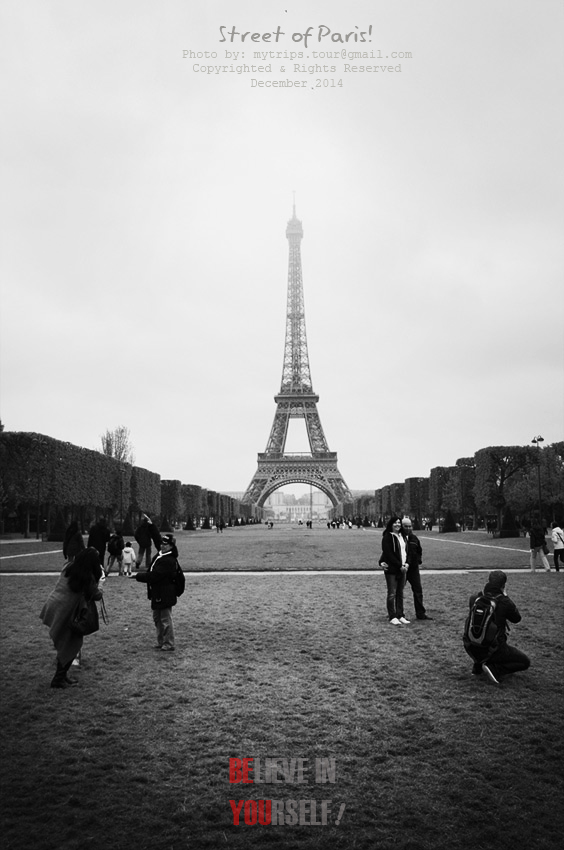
x: 404, y: 621
x: 395, y: 622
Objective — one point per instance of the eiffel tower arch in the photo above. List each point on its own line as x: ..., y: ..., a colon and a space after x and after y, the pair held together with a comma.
x: 296, y: 400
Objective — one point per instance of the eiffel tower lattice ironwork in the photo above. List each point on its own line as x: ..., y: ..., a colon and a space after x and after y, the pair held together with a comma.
x: 296, y: 400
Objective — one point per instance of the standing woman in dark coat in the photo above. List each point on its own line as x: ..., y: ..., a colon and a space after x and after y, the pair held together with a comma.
x: 78, y: 581
x: 393, y: 561
x: 73, y: 542
x: 162, y: 589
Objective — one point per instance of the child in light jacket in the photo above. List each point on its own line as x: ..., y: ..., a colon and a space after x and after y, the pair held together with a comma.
x: 128, y: 558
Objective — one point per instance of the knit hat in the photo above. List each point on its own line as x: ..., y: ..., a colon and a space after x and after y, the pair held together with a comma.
x: 497, y: 578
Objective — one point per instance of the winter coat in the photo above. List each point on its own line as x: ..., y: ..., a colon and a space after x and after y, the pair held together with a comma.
x: 129, y: 557
x: 115, y: 545
x: 414, y: 550
x: 58, y: 612
x: 98, y: 537
x: 391, y: 553
x: 160, y: 580
x: 537, y: 538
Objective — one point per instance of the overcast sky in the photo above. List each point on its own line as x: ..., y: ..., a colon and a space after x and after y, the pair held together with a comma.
x: 144, y: 207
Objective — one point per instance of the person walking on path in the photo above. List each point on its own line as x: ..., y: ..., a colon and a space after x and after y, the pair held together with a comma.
x: 393, y: 561
x: 414, y: 561
x: 504, y: 659
x: 538, y: 546
x: 557, y: 537
x: 77, y: 584
x: 165, y: 582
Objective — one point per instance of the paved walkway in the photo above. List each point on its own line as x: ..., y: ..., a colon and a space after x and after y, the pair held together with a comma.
x: 468, y: 543
x: 30, y: 554
x: 5, y: 541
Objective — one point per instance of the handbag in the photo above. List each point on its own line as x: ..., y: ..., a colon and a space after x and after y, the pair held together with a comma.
x: 545, y: 549
x: 85, y: 620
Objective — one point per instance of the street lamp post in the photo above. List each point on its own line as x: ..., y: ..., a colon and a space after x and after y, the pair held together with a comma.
x: 538, y: 440
x: 121, y: 474
x: 40, y: 444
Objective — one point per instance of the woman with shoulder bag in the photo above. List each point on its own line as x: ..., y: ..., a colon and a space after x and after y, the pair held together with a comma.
x: 76, y: 587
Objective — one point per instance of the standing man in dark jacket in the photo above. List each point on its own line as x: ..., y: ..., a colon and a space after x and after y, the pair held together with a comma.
x: 98, y: 538
x: 505, y: 659
x: 115, y: 552
x: 165, y: 582
x: 414, y: 560
x: 145, y: 534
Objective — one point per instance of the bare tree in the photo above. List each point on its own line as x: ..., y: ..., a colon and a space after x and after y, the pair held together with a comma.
x: 117, y: 444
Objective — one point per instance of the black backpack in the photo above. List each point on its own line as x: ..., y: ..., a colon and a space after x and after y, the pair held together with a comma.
x: 179, y: 580
x: 481, y: 628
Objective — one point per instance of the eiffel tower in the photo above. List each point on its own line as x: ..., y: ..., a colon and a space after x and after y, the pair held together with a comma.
x: 296, y: 400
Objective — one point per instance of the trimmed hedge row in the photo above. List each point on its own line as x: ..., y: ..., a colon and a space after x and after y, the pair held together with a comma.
x: 42, y: 475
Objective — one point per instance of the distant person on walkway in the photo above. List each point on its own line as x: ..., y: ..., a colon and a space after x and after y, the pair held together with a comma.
x: 73, y: 542
x: 115, y: 552
x: 414, y: 561
x: 145, y: 534
x: 98, y: 538
x: 538, y: 546
x: 557, y: 537
x: 128, y: 558
x: 505, y: 659
x: 77, y: 582
x: 165, y: 582
x: 393, y: 561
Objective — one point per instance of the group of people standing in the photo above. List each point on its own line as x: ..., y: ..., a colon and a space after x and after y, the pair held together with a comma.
x: 118, y: 550
x: 78, y: 587
x: 401, y: 559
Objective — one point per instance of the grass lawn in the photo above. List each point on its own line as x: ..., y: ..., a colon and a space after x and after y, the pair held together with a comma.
x: 285, y: 666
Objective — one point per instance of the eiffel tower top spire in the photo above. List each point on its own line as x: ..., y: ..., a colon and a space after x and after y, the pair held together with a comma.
x: 296, y: 375
x: 296, y: 400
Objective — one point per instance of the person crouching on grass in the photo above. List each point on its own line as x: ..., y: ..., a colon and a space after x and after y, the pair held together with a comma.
x: 162, y: 580
x: 504, y: 659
